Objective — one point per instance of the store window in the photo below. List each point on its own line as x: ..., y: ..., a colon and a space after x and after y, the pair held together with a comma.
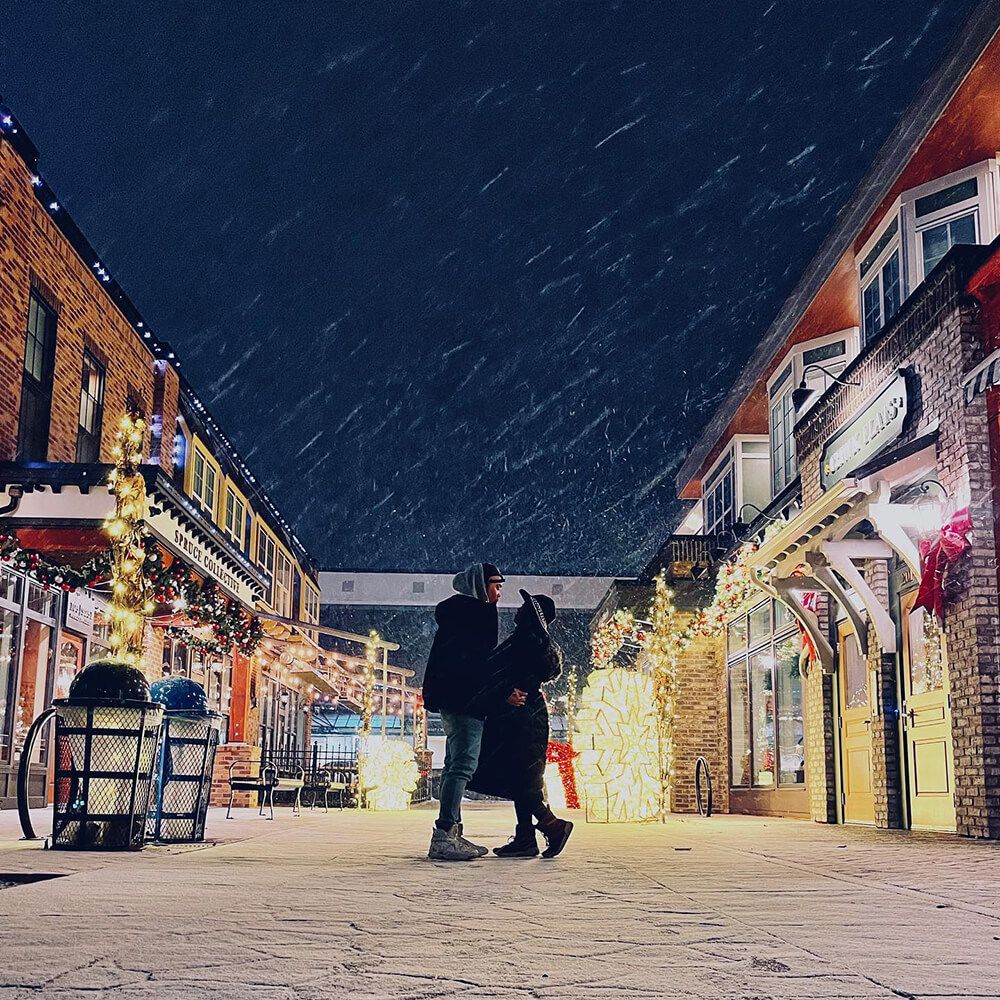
x: 88, y: 434
x: 766, y: 724
x: 36, y: 382
x: 33, y: 686
x: 204, y: 481
x: 10, y: 633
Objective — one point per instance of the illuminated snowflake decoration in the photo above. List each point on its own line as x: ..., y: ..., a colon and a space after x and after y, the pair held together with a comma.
x: 387, y: 773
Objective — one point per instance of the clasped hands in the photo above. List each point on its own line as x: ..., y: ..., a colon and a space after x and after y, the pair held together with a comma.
x: 517, y: 698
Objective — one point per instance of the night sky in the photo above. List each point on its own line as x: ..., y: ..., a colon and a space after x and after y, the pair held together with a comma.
x: 464, y: 280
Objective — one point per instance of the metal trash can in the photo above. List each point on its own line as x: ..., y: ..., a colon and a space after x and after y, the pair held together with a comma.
x: 107, y: 734
x: 183, y: 781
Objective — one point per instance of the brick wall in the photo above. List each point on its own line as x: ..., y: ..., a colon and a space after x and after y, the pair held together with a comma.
x: 937, y: 336
x: 33, y: 253
x: 701, y: 725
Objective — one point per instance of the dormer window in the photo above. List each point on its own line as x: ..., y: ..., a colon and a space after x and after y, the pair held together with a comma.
x: 958, y: 208
x: 880, y: 274
x: 739, y: 477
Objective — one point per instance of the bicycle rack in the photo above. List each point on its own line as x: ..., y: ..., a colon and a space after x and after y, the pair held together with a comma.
x: 22, y: 773
x: 703, y: 772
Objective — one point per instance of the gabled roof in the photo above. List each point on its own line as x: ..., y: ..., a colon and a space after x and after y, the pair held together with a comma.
x: 925, y: 109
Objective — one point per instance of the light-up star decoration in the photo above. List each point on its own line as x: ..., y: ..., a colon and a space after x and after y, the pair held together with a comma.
x: 618, y: 767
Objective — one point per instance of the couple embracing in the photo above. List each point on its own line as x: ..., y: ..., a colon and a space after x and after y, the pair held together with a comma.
x: 495, y: 719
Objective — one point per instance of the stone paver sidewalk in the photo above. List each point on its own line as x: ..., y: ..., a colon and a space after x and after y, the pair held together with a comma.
x: 344, y: 905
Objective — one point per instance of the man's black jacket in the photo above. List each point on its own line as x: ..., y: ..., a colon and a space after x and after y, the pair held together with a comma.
x: 456, y: 679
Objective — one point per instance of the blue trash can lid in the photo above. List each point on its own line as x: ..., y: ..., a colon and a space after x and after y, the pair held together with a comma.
x: 179, y: 694
x: 109, y: 680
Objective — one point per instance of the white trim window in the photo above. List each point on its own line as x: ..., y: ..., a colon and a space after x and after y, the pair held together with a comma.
x: 739, y: 477
x: 816, y: 362
x: 960, y: 207
x: 235, y: 517
x: 283, y: 584
x: 265, y: 561
x: 784, y: 466
x: 880, y: 277
x: 204, y: 481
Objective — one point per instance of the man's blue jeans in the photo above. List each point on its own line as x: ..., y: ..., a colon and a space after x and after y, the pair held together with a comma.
x: 464, y: 737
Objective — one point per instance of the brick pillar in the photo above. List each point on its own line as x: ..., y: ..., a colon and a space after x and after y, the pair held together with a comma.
x: 887, y: 769
x: 700, y: 724
x: 224, y: 757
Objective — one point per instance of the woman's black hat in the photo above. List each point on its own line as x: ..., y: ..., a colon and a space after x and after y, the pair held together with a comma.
x: 543, y: 606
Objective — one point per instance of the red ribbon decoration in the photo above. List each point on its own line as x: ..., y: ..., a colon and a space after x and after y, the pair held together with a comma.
x: 935, y: 557
x: 563, y: 754
x: 810, y: 602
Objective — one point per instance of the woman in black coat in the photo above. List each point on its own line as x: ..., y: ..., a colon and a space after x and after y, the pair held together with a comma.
x: 516, y: 734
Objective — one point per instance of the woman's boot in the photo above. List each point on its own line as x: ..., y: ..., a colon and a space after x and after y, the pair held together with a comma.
x: 522, y: 845
x: 556, y: 832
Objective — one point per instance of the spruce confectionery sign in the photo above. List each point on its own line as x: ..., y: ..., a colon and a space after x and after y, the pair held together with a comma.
x: 876, y: 424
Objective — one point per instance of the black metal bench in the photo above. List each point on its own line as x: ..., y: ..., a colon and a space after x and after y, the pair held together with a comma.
x: 265, y: 783
x: 339, y: 779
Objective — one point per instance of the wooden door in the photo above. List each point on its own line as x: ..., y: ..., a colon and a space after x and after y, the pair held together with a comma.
x: 855, y: 731
x: 927, y: 721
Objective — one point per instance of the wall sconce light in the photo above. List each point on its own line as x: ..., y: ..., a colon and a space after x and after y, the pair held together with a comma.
x: 802, y: 394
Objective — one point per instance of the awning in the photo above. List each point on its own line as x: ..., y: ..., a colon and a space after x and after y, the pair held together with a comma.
x: 812, y: 553
x: 984, y: 376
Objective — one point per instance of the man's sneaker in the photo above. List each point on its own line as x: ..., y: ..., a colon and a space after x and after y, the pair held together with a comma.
x: 445, y: 846
x: 556, y: 833
x: 481, y: 851
x: 522, y: 845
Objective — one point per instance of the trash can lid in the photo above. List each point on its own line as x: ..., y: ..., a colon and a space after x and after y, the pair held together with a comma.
x: 109, y: 680
x: 179, y: 694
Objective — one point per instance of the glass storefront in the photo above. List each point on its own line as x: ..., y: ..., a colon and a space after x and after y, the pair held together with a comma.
x: 282, y: 718
x: 213, y: 672
x: 766, y: 725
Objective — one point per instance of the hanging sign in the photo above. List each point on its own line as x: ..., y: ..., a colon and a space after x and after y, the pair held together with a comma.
x: 879, y: 422
x: 80, y: 611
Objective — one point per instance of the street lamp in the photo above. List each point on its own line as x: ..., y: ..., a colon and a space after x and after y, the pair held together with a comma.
x: 803, y: 392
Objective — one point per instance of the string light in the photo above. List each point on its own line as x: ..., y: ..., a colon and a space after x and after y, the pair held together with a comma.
x: 387, y: 773
x: 131, y: 592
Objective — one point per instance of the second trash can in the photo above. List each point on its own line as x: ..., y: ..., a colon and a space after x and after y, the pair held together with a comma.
x: 183, y: 783
x: 107, y: 733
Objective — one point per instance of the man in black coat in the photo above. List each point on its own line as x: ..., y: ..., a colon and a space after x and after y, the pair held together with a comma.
x: 455, y: 685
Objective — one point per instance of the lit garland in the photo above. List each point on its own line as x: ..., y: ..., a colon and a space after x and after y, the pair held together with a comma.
x: 387, y: 773
x: 662, y: 649
x: 368, y: 683
x: 131, y: 593
x: 571, y: 681
x: 611, y: 636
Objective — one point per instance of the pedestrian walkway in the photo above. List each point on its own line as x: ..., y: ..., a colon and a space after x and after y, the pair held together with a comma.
x: 344, y: 905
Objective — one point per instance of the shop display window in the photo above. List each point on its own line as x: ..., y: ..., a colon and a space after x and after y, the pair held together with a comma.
x: 926, y: 660
x: 766, y: 726
x: 9, y: 636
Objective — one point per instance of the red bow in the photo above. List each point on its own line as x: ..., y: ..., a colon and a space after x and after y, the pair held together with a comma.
x: 810, y: 602
x: 952, y: 542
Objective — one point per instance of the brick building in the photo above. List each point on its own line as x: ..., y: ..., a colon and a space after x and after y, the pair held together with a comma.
x: 865, y: 422
x: 75, y: 355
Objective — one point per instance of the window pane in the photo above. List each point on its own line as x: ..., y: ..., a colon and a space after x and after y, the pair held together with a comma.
x: 199, y: 474
x: 782, y: 616
x: 963, y: 230
x: 855, y: 673
x: 791, y: 725
x: 736, y: 636
x: 890, y: 287
x: 760, y: 623
x: 935, y: 243
x: 32, y: 690
x: 873, y: 314
x: 762, y: 717
x: 947, y: 196
x: 739, y: 742
x: 926, y: 649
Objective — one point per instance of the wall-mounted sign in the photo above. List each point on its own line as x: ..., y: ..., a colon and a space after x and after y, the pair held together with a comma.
x: 80, y: 611
x: 184, y: 543
x: 876, y: 424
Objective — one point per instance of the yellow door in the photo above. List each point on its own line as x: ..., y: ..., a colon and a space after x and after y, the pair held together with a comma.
x: 855, y: 731
x: 927, y: 721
